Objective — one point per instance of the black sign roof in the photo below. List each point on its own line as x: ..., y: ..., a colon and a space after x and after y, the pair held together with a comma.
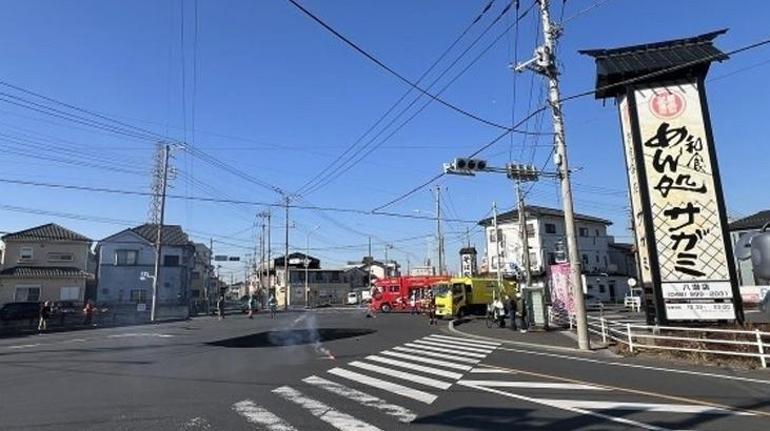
x: 653, y: 62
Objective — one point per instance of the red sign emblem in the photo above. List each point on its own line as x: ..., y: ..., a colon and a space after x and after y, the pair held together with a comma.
x: 667, y: 105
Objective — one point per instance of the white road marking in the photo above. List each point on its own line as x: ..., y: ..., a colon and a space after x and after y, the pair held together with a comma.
x: 437, y: 362
x: 401, y: 413
x: 445, y: 350
x: 395, y: 388
x: 438, y: 355
x: 24, y: 346
x: 450, y: 345
x: 333, y: 417
x: 490, y: 371
x: 642, y: 367
x: 648, y: 407
x: 546, y: 402
x: 140, y: 334
x: 474, y: 340
x: 258, y: 415
x: 486, y: 348
x: 408, y: 365
x: 438, y: 384
x: 531, y: 385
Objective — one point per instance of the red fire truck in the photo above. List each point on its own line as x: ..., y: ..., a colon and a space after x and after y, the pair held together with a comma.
x: 394, y: 293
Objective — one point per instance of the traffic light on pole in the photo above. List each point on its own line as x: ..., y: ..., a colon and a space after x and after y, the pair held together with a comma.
x: 463, y: 166
x: 522, y: 172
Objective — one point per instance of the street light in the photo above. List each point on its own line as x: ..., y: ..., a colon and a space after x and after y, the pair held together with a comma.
x: 307, y: 265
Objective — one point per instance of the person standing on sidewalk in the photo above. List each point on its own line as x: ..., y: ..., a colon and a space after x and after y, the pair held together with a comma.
x: 252, y: 306
x: 432, y: 309
x: 88, y: 312
x: 522, y: 306
x: 221, y: 307
x: 45, y: 314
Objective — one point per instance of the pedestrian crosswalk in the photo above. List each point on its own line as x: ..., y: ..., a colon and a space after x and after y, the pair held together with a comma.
x: 390, y: 385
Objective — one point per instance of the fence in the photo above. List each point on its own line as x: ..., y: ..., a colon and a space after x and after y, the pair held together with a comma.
x: 636, y: 336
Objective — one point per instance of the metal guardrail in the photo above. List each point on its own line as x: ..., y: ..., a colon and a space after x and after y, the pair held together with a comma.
x: 639, y: 336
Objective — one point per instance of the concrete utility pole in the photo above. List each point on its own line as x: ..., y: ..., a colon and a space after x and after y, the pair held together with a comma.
x: 546, y: 65
x: 269, y: 251
x: 210, y: 271
x: 439, y: 234
x: 524, y: 234
x: 369, y: 261
x: 387, y: 268
x: 286, y: 258
x: 159, y: 237
x: 497, y: 249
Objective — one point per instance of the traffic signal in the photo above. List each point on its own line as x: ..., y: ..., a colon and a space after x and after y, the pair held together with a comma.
x: 468, y: 165
x: 521, y: 172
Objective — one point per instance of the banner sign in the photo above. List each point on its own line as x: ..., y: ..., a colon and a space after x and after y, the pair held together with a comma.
x: 674, y: 193
x: 561, y: 290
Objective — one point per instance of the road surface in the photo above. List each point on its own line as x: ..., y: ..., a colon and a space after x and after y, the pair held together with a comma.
x: 336, y: 369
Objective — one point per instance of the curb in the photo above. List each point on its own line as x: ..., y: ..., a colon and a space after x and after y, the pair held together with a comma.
x: 456, y: 331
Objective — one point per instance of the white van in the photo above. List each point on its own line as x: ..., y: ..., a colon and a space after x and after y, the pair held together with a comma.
x: 353, y: 298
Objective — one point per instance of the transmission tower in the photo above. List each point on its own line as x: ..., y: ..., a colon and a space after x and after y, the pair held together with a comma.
x: 156, y: 184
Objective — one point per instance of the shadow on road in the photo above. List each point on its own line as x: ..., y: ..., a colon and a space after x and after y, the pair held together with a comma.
x: 291, y: 337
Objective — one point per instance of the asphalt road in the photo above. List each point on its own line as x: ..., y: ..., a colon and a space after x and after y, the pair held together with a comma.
x: 335, y: 369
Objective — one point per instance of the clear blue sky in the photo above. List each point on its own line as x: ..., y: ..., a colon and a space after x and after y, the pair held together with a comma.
x: 278, y: 97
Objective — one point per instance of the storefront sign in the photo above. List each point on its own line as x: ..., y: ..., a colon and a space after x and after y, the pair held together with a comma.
x: 561, y: 290
x: 695, y: 290
x: 700, y: 311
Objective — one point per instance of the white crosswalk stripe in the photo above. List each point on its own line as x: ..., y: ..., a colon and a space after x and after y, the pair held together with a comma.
x: 444, y: 350
x: 258, y: 415
x: 431, y: 361
x: 649, y: 407
x: 437, y: 355
x: 438, y: 384
x: 480, y: 347
x: 331, y: 416
x: 408, y: 365
x: 529, y: 385
x: 473, y: 340
x: 402, y: 414
x: 395, y: 388
x: 452, y: 346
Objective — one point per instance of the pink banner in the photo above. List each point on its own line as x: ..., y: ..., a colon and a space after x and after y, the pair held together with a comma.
x: 561, y: 290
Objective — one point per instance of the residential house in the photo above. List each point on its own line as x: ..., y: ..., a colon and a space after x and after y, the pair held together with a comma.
x: 378, y: 269
x: 753, y: 288
x: 127, y: 257
x: 200, y: 278
x: 323, y: 285
x: 44, y: 263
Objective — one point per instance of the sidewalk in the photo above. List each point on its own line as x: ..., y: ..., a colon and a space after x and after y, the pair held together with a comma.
x: 554, y: 339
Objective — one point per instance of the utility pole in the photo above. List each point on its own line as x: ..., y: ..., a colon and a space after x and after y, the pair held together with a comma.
x: 524, y: 234
x: 159, y: 238
x: 439, y: 234
x: 544, y: 63
x: 369, y: 260
x: 387, y: 268
x: 210, y: 271
x: 497, y: 249
x: 286, y: 258
x: 269, y: 251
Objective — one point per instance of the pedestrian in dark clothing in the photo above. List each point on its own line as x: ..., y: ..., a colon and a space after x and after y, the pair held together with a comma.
x: 432, y: 309
x: 512, y: 310
x: 45, y: 313
x: 522, y: 306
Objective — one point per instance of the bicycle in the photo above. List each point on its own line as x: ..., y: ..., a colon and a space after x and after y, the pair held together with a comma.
x: 494, y: 318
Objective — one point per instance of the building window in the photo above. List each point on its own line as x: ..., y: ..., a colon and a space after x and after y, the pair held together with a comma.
x: 138, y: 295
x: 605, y: 262
x: 597, y: 258
x: 126, y: 257
x: 550, y: 228
x: 530, y: 231
x: 583, y: 231
x: 69, y: 293
x: 59, y: 257
x: 319, y: 277
x: 25, y: 253
x: 195, y: 275
x: 551, y: 258
x: 597, y: 232
x: 170, y: 260
x: 585, y: 259
x: 602, y: 289
x: 27, y: 293
x: 335, y: 277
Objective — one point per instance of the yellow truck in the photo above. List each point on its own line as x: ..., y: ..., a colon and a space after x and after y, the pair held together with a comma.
x: 469, y: 295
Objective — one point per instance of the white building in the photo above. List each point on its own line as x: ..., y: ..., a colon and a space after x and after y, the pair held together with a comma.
x: 546, y: 237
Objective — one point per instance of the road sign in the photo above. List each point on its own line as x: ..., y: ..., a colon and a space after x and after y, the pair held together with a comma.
x: 220, y: 258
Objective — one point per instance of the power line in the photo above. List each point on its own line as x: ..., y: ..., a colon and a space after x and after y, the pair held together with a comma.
x: 218, y: 200
x: 383, y: 116
x: 392, y: 71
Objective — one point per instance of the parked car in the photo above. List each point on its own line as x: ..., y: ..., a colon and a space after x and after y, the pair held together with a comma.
x: 19, y: 311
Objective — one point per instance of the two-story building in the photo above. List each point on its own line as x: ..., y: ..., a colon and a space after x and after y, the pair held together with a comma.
x: 124, y: 256
x: 200, y: 278
x: 45, y: 263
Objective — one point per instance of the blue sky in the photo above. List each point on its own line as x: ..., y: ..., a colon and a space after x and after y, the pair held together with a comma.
x: 270, y: 92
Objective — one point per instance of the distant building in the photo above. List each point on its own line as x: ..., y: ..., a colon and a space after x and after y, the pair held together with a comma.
x: 378, y: 269
x: 201, y: 287
x: 45, y: 263
x: 753, y: 289
x: 125, y: 255
x: 324, y: 286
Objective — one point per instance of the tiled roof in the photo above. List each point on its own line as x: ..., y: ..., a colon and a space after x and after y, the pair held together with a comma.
x: 44, y: 272
x: 754, y: 221
x: 538, y: 211
x: 49, y: 232
x: 171, y: 235
x: 690, y: 56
